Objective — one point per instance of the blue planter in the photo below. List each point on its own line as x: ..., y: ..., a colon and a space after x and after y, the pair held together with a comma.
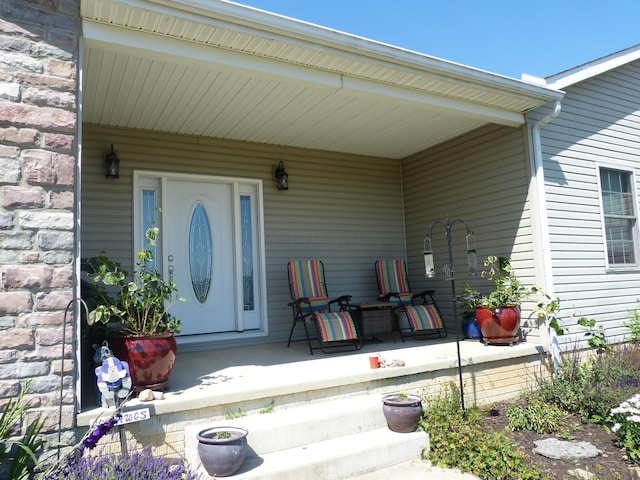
x: 470, y: 328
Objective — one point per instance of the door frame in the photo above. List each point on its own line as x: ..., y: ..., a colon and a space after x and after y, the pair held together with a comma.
x: 204, y: 341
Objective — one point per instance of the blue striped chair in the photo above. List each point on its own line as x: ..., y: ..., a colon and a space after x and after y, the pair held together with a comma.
x: 310, y: 303
x: 423, y: 316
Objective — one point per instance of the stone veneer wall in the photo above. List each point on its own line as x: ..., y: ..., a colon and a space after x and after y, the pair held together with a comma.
x: 38, y: 152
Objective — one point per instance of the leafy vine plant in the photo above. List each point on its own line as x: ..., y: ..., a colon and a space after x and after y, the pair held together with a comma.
x: 509, y: 291
x: 548, y: 309
x: 596, y: 334
x: 143, y: 297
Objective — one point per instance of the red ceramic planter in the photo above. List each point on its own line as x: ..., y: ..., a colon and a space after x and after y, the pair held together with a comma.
x: 150, y: 359
x: 499, y: 327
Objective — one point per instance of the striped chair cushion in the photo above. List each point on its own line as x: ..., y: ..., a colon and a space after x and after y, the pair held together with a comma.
x: 336, y: 326
x: 306, y: 281
x: 424, y: 317
x: 316, y: 304
x: 392, y: 278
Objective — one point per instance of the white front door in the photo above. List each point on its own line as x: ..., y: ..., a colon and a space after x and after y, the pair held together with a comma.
x: 199, y: 254
x: 211, y: 245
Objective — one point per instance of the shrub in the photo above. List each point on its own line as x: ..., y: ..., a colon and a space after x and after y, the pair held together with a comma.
x: 141, y: 465
x: 633, y: 324
x: 18, y: 454
x: 592, y: 388
x: 536, y: 415
x: 81, y: 464
x: 457, y: 440
x: 626, y: 419
x: 565, y: 388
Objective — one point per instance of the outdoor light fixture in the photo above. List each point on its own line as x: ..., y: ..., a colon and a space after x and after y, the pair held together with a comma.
x: 112, y: 164
x: 282, y: 178
x: 472, y: 259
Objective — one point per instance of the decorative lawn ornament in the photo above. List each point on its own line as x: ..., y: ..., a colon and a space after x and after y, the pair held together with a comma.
x: 114, y: 381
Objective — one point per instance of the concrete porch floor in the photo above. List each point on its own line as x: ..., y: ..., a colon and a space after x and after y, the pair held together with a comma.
x: 248, y: 375
x: 206, y: 386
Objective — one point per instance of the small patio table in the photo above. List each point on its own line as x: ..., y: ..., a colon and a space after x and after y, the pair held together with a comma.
x: 374, y: 319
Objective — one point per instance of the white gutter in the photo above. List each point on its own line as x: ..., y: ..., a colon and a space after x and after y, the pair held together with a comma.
x: 538, y: 175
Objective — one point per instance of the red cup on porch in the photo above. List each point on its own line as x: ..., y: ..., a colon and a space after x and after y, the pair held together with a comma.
x: 373, y: 361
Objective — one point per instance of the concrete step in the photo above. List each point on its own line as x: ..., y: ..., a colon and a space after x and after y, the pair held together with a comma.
x: 337, y: 458
x: 416, y: 470
x: 336, y: 439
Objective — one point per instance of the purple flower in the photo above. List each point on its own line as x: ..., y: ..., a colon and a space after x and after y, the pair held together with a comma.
x: 141, y: 465
x: 99, y: 431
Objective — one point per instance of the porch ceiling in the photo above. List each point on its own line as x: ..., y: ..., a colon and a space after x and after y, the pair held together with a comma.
x: 218, y: 69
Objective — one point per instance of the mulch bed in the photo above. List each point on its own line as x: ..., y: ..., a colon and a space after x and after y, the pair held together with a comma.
x: 611, y: 464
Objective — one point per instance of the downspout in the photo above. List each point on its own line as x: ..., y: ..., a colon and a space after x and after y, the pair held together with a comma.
x: 537, y: 172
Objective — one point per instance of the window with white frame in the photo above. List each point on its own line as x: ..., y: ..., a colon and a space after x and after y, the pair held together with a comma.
x: 620, y: 217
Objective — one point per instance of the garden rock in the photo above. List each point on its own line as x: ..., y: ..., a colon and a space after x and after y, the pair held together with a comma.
x: 582, y: 474
x: 146, y: 395
x: 396, y: 362
x: 558, y: 449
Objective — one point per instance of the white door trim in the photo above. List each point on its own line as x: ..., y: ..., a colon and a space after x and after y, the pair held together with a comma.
x: 198, y: 342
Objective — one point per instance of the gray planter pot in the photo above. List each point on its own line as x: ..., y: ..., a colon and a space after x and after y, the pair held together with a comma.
x: 222, y: 457
x: 402, y: 415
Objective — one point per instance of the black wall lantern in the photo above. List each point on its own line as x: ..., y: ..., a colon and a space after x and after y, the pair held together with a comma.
x: 112, y: 164
x: 282, y: 178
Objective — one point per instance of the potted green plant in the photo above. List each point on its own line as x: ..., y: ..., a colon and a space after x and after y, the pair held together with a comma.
x: 498, y: 313
x: 402, y: 411
x: 222, y: 449
x: 136, y: 307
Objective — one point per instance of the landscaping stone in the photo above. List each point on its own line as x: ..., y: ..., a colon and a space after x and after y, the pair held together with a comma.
x: 557, y: 449
x: 582, y: 474
x: 146, y: 395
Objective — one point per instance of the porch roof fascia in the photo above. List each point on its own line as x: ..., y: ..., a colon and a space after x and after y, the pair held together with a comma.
x: 594, y: 68
x: 262, y: 24
x: 127, y: 40
x: 308, y: 33
x: 334, y: 91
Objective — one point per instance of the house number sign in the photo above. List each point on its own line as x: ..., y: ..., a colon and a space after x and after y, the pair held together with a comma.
x: 131, y: 416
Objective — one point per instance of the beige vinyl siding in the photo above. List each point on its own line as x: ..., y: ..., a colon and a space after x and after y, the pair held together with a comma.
x: 599, y: 125
x: 481, y: 178
x: 345, y: 210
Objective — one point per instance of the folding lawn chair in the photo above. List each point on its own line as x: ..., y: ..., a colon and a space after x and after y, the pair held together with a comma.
x: 310, y: 303
x: 424, y: 317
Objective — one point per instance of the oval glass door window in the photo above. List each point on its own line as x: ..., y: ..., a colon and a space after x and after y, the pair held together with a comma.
x: 200, y: 253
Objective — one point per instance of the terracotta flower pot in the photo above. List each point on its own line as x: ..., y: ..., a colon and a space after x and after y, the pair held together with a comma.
x: 402, y: 415
x: 501, y: 326
x: 222, y: 457
x: 150, y: 359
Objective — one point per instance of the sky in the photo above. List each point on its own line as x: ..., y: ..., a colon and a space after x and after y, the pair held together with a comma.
x: 508, y: 37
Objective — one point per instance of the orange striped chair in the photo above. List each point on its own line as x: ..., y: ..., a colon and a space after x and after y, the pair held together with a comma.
x: 310, y: 303
x: 423, y: 316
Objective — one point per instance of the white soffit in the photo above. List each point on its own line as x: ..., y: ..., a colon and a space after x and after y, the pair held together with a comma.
x: 147, y: 66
